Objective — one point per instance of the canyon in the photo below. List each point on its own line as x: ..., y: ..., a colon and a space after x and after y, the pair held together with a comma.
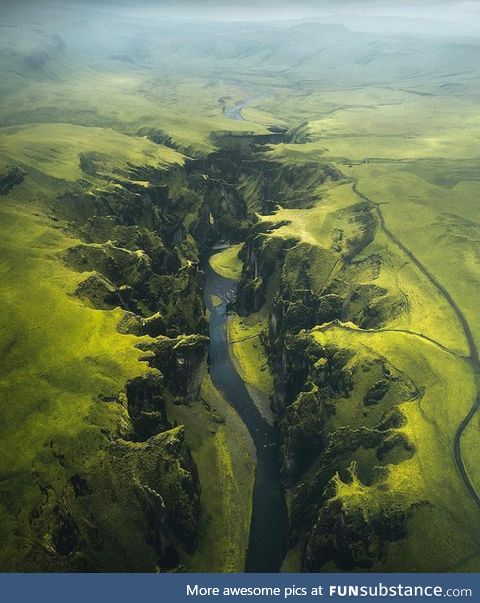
x: 239, y: 274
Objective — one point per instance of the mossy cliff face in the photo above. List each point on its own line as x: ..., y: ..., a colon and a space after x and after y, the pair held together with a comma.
x: 141, y: 252
x: 132, y: 500
x: 344, y: 511
x: 301, y: 284
x: 353, y: 537
x: 130, y: 509
x: 312, y: 377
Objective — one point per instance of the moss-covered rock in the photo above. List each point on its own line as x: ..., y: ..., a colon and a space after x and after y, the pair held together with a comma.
x: 303, y: 432
x: 261, y: 256
x: 351, y: 537
x: 99, y: 291
x: 146, y: 405
x: 183, y: 362
x: 145, y: 498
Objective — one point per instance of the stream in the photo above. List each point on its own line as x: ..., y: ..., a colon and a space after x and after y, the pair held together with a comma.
x: 266, y: 550
x: 235, y: 112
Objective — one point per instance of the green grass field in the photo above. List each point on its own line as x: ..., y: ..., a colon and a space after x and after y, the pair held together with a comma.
x: 248, y: 354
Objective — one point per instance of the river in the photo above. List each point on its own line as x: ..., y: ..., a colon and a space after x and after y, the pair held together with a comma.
x: 266, y: 549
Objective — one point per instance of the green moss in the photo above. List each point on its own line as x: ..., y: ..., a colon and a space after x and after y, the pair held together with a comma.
x: 144, y: 497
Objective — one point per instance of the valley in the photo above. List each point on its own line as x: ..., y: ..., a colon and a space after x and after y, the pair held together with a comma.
x: 239, y: 269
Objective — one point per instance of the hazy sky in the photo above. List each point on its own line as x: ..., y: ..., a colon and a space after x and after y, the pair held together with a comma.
x: 454, y: 11
x: 355, y: 14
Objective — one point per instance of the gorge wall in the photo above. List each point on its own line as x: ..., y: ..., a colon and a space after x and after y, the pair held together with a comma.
x: 142, y: 243
x: 328, y: 455
x: 135, y: 504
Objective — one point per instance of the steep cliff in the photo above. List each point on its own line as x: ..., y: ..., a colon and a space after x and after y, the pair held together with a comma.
x: 316, y: 268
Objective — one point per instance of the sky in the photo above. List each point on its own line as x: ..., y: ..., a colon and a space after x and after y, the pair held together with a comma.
x: 459, y: 12
x: 411, y: 16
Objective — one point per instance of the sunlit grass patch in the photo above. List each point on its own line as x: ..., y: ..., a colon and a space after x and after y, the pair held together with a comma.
x: 224, y: 453
x: 226, y: 263
x: 249, y: 355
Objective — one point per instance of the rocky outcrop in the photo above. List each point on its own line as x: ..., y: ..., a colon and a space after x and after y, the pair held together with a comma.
x: 338, y: 531
x: 157, y: 136
x: 182, y: 361
x: 309, y: 379
x: 261, y: 255
x: 352, y: 537
x: 158, y: 479
x: 135, y: 504
x: 146, y: 405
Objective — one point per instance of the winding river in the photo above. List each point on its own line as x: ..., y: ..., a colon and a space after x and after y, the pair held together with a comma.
x: 266, y: 550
